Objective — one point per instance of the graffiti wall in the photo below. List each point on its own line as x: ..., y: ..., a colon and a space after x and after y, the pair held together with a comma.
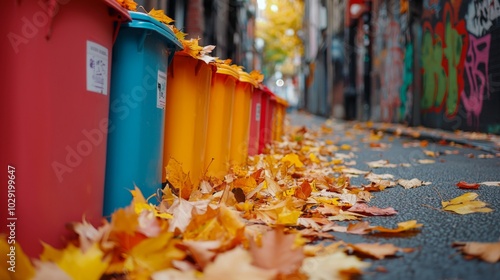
x: 460, y: 65
x: 392, y: 53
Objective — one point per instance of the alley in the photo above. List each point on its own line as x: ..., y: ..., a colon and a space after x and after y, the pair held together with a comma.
x: 435, y: 258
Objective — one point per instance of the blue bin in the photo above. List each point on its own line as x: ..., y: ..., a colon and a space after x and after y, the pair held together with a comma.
x: 141, y: 54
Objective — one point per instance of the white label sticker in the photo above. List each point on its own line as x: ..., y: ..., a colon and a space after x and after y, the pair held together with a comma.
x: 97, y: 68
x: 257, y: 112
x: 161, y: 90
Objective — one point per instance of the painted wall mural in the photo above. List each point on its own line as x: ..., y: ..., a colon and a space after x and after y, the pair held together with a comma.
x: 392, y: 62
x: 460, y: 68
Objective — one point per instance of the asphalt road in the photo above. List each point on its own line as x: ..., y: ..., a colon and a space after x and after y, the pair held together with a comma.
x: 434, y: 257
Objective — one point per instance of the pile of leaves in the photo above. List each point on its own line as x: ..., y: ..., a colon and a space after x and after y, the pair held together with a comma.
x: 271, y: 219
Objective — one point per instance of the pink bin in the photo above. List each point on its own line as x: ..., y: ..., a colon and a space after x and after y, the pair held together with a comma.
x: 265, y: 133
x: 56, y: 62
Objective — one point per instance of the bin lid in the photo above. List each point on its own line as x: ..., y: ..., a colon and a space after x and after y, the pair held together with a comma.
x: 121, y: 12
x: 227, y: 70
x: 145, y: 21
x: 245, y: 77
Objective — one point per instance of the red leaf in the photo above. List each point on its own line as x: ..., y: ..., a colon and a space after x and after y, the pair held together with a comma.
x: 303, y: 191
x: 467, y: 186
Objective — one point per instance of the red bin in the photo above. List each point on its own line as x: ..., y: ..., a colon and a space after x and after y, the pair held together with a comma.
x: 56, y: 63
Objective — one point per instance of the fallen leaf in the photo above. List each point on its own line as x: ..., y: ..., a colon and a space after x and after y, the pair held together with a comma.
x: 276, y: 252
x: 489, y: 252
x: 467, y: 186
x: 303, y: 191
x: 426, y: 161
x: 337, y: 265
x: 363, y: 208
x: 76, y: 263
x: 413, y: 183
x: 179, y: 180
x: 47, y: 270
x: 292, y: 159
x: 466, y: 204
x: 236, y: 264
x: 491, y: 184
x: 22, y: 265
x: 128, y: 4
x: 377, y: 250
x: 403, y: 226
x: 381, y: 164
x: 202, y: 251
x: 353, y: 171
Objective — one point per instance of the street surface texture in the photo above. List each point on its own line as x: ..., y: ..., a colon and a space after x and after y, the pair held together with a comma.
x: 434, y: 257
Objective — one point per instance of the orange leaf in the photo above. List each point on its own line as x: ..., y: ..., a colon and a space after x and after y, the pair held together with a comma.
x: 378, y: 251
x: 489, y: 252
x: 363, y: 208
x: 128, y: 4
x: 403, y: 226
x: 467, y: 186
x: 277, y: 252
x: 304, y: 191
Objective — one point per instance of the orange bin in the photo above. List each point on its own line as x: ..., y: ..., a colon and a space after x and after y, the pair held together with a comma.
x: 241, y: 118
x: 279, y: 118
x: 186, y: 114
x: 219, y: 120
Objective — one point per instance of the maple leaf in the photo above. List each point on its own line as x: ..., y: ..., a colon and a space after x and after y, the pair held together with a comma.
x: 76, y: 263
x: 178, y: 179
x: 236, y: 264
x: 124, y: 220
x: 276, y: 252
x: 336, y: 265
x: 413, y: 183
x: 363, y: 208
x: 467, y: 186
x: 304, y: 190
x: 152, y: 254
x: 160, y: 16
x: 489, y: 252
x: 128, y: 4
x: 466, y: 204
x: 378, y: 251
x: 182, y: 211
x: 292, y: 159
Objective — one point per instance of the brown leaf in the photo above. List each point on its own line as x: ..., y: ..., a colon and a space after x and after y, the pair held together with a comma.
x: 359, y: 228
x: 467, y: 186
x: 489, y: 252
x: 377, y: 250
x: 277, y: 252
x: 403, y: 226
x: 363, y: 208
x: 413, y: 183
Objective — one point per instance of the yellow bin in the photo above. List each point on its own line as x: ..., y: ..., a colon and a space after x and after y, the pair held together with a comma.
x: 241, y: 119
x: 186, y: 113
x: 220, y: 120
x: 279, y: 120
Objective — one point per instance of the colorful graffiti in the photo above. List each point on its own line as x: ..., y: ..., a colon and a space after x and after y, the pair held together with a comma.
x: 443, y: 55
x: 406, y: 93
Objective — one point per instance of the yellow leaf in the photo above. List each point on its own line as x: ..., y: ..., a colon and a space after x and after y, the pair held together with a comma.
x: 23, y: 269
x: 160, y: 16
x: 314, y: 158
x: 152, y: 254
x: 292, y: 159
x: 461, y: 199
x: 77, y: 264
x: 288, y: 217
x: 403, y: 226
x: 466, y: 204
x: 345, y: 147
